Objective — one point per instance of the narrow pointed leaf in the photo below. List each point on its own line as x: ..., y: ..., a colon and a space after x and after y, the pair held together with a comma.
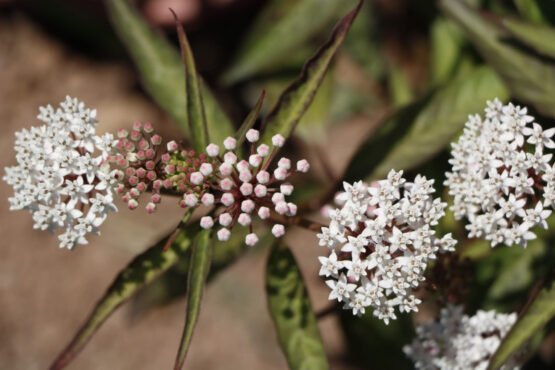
x: 420, y: 130
x: 250, y: 120
x: 161, y: 70
x: 281, y: 34
x: 291, y: 311
x: 534, y: 317
x: 296, y: 98
x: 142, y: 270
x: 538, y: 37
x: 528, y: 77
x: 198, y: 272
x: 196, y: 117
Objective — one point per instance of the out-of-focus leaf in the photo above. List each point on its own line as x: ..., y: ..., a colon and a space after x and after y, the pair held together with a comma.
x: 399, y: 86
x: 374, y: 345
x: 250, y: 120
x: 272, y: 43
x: 418, y: 131
x: 198, y: 272
x: 292, y: 313
x: 296, y: 99
x: 540, y: 38
x: 530, y: 10
x: 196, y: 117
x: 447, y: 42
x: 161, y: 70
x: 534, y: 317
x: 529, y: 78
x: 142, y: 270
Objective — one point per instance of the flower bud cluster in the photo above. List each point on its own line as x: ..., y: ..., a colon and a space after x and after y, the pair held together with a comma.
x: 502, y: 177
x: 458, y: 341
x: 380, y: 242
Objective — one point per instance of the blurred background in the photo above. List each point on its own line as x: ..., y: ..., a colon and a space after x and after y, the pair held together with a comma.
x: 399, y: 56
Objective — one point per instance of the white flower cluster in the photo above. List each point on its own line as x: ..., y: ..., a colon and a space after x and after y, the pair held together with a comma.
x: 458, y: 341
x: 380, y: 241
x: 60, y: 176
x: 502, y: 178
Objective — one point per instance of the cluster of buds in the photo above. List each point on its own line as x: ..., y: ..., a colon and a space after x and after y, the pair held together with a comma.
x: 245, y: 188
x: 241, y: 188
x: 138, y: 167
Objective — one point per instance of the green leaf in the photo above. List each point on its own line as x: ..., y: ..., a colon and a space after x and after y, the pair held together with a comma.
x: 417, y: 132
x: 530, y: 10
x: 250, y: 120
x: 529, y: 78
x: 161, y: 70
x: 296, y: 98
x: 447, y: 42
x: 292, y: 313
x: 196, y: 117
x: 198, y: 272
x: 399, y: 86
x: 142, y: 270
x: 280, y: 34
x: 534, y: 317
x: 539, y: 38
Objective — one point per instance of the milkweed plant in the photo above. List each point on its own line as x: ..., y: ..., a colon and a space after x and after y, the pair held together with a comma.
x: 397, y: 239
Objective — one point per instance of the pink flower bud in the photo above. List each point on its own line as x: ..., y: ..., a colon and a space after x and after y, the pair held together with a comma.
x: 247, y: 206
x: 135, y: 135
x: 207, y: 199
x: 223, y: 235
x: 291, y: 209
x: 212, y: 150
x: 206, y: 222
x: 225, y: 169
x: 148, y: 128
x: 251, y: 240
x: 286, y: 189
x: 149, y: 153
x: 170, y: 168
x: 191, y: 200
x: 129, y: 171
x: 260, y: 191
x: 253, y: 135
x: 150, y: 207
x: 133, y: 180
x: 230, y: 143
x: 157, y: 185
x: 171, y: 146
x: 278, y: 140
x: 197, y: 178
x: 245, y: 176
x: 282, y: 208
x: 132, y: 204
x: 278, y: 197
x: 303, y: 166
x: 280, y: 173
x: 141, y: 187
x: 166, y: 157
x: 134, y: 193
x: 151, y: 175
x: 227, y: 199
x: 246, y: 188
x: 255, y: 160
x: 284, y: 163
x: 137, y: 126
x: 168, y: 183
x: 230, y: 158
x: 226, y: 184
x: 263, y: 213
x: 278, y: 230
x: 225, y: 219
x: 263, y: 177
x: 244, y: 219
x: 263, y: 150
x: 205, y: 169
x: 242, y: 166
x: 122, y: 133
x: 156, y: 198
x: 141, y: 172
